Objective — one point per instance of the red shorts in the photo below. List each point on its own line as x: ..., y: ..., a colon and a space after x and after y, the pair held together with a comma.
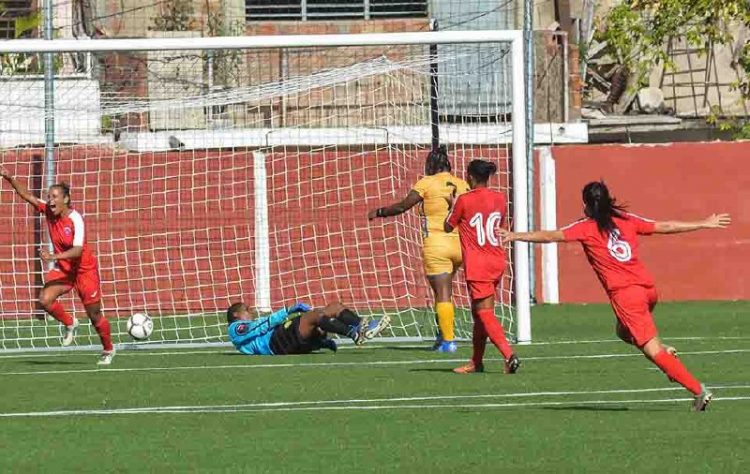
x: 479, y: 290
x: 632, y: 306
x: 86, y: 284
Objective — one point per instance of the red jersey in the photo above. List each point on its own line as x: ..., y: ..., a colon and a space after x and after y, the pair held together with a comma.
x: 476, y: 214
x: 67, y: 232
x: 614, y: 257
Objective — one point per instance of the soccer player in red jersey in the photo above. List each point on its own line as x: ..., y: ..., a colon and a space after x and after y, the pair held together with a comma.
x: 477, y: 214
x: 74, y: 264
x: 609, y: 236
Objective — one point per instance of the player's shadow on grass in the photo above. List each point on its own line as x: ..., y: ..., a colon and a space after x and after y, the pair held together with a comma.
x: 448, y: 370
x: 574, y: 407
x: 55, y: 362
x: 426, y: 348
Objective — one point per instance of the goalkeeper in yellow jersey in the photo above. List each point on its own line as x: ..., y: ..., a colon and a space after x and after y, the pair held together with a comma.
x: 441, y: 251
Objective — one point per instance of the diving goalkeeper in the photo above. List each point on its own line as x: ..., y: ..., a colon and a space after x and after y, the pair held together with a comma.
x: 284, y: 333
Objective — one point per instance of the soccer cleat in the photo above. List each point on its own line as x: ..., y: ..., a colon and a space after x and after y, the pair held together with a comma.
x: 69, y: 333
x: 376, y: 326
x: 106, y: 357
x: 469, y: 368
x: 438, y: 342
x: 701, y: 401
x: 512, y: 365
x: 447, y: 346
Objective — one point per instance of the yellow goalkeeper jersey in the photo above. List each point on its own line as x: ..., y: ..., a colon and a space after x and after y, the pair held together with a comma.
x: 435, y: 191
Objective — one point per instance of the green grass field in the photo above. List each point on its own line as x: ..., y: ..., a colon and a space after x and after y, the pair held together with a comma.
x: 582, y: 402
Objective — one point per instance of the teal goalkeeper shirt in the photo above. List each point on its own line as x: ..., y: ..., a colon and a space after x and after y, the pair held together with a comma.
x: 253, y: 337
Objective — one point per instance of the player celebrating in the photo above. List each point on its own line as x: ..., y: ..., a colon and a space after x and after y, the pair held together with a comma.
x: 74, y: 265
x: 609, y: 237
x: 281, y: 333
x: 477, y: 214
x: 441, y: 251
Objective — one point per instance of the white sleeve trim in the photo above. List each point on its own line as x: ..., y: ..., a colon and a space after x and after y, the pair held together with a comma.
x: 584, y: 219
x: 639, y: 217
x: 78, y: 229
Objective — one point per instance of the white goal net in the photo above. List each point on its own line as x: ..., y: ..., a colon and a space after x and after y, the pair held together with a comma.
x: 208, y: 175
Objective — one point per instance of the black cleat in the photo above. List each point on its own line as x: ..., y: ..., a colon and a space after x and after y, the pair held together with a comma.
x: 512, y: 364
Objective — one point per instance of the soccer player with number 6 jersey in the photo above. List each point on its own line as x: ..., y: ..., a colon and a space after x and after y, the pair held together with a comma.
x: 73, y: 264
x: 609, y: 237
x: 477, y: 214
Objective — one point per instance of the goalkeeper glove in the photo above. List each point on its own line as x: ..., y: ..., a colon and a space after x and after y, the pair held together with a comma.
x: 298, y: 308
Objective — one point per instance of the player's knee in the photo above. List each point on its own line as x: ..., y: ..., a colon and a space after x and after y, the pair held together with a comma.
x: 334, y: 308
x: 46, y: 300
x: 346, y: 313
x: 623, y: 333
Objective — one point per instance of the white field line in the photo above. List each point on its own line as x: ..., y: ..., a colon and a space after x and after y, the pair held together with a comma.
x: 126, y: 351
x: 339, y: 407
x: 384, y: 363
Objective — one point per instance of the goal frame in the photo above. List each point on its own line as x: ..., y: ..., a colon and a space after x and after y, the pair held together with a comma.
x: 514, y: 38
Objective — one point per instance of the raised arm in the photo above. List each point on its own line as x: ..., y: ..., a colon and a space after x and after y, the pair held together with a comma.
x: 714, y: 221
x: 411, y: 200
x: 539, y: 237
x: 19, y: 187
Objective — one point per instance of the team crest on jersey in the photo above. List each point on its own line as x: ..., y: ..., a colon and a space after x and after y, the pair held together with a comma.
x: 67, y: 230
x: 241, y: 328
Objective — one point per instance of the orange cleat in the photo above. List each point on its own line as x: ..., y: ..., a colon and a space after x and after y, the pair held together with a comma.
x: 469, y: 368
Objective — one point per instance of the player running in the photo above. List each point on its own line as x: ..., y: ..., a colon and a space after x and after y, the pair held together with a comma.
x: 478, y: 214
x: 609, y: 237
x: 441, y: 251
x: 282, y: 333
x: 74, y: 264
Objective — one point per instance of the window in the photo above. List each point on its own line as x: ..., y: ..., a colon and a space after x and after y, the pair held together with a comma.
x: 9, y: 11
x: 302, y: 10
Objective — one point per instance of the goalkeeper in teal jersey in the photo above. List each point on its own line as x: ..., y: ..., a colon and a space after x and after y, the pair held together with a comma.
x: 298, y: 329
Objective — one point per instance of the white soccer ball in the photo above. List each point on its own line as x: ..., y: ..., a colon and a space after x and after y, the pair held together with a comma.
x: 140, y: 326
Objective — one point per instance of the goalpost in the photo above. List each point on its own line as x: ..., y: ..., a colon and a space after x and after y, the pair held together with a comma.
x: 213, y: 170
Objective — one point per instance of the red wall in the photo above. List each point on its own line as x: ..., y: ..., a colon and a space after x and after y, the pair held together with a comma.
x: 680, y: 181
x: 174, y: 231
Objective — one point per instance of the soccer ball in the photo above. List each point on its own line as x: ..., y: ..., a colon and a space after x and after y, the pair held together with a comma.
x: 140, y: 326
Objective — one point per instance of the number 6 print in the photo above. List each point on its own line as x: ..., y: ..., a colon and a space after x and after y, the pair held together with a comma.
x: 618, y: 248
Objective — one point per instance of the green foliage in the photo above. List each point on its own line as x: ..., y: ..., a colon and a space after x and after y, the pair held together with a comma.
x: 175, y: 15
x: 638, y: 30
x: 21, y: 63
x: 227, y: 63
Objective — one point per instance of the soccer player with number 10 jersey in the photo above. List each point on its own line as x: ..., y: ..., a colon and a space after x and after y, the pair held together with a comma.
x: 478, y: 214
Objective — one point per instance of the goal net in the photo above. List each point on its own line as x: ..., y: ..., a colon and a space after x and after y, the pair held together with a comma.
x: 215, y: 170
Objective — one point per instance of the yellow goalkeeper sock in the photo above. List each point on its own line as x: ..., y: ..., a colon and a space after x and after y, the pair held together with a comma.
x: 446, y: 316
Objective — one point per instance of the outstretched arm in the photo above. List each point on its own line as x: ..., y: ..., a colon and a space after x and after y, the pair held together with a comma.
x: 411, y: 200
x: 714, y: 221
x: 540, y: 236
x: 18, y: 186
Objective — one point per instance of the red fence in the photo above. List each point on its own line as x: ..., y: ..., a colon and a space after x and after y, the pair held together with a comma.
x: 174, y: 231
x: 680, y: 181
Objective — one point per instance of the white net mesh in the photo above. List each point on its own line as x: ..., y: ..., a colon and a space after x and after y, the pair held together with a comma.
x: 175, y: 159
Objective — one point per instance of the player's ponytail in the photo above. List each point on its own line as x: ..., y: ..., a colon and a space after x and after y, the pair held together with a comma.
x: 437, y: 161
x: 600, y: 206
x: 481, y: 170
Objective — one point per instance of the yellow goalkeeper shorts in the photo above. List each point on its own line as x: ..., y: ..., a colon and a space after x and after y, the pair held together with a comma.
x: 441, y: 254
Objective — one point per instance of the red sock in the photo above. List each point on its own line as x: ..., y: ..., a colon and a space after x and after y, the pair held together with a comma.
x: 102, y: 328
x: 58, y: 312
x: 479, y: 342
x: 495, y: 331
x: 675, y: 370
